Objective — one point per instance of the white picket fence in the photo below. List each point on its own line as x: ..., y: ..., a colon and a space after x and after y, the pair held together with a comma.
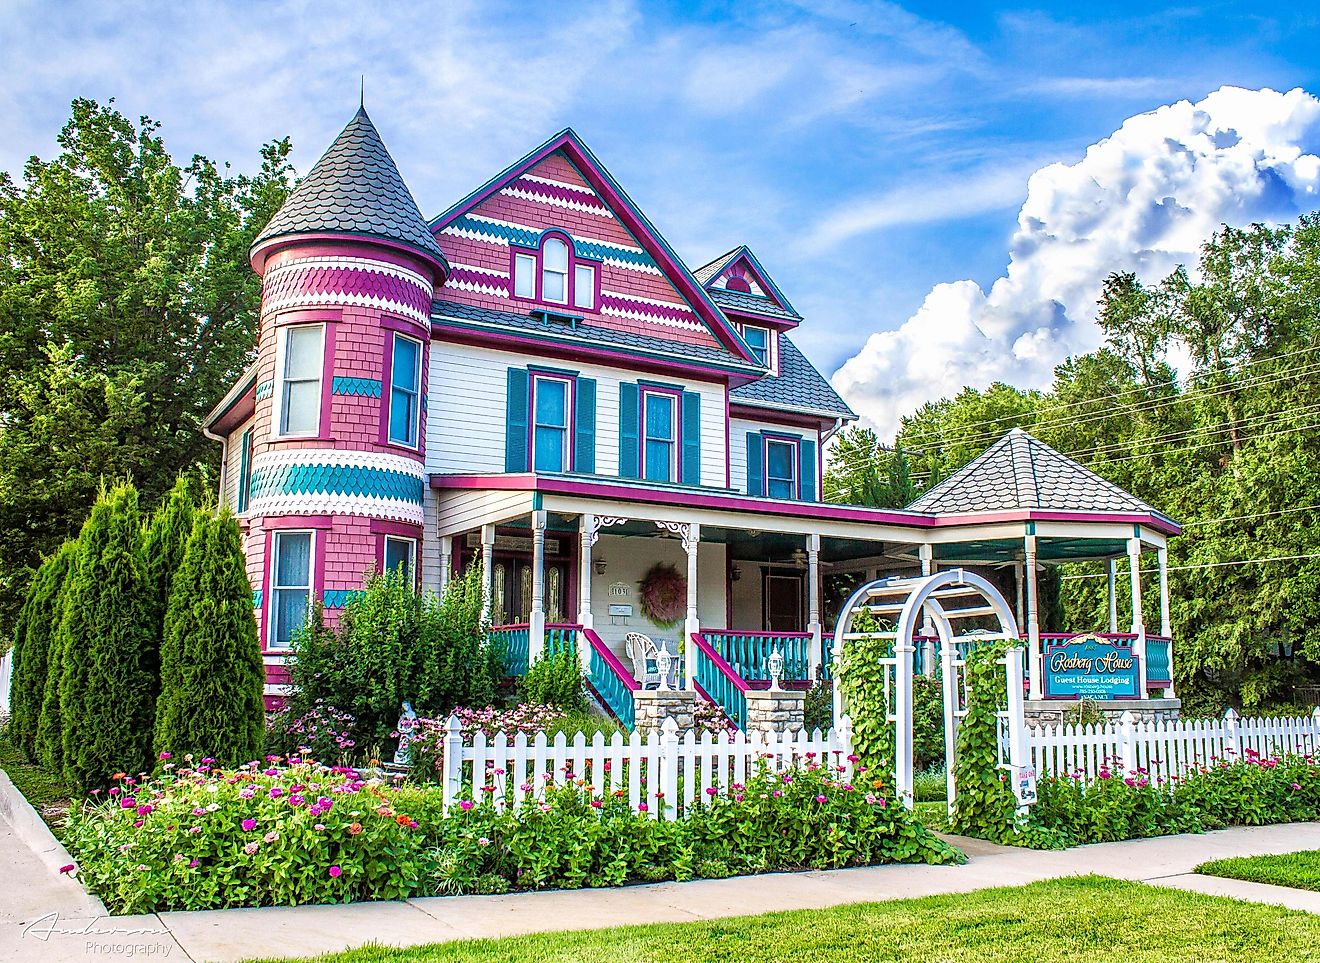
x: 660, y: 772
x: 1167, y: 748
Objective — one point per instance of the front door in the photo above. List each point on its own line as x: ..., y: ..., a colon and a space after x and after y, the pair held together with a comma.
x: 783, y: 603
x: 511, y: 591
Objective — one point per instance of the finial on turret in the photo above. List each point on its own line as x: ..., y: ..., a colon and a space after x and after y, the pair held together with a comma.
x: 362, y: 93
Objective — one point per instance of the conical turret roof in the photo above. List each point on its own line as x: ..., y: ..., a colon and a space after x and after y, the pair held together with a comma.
x: 355, y: 188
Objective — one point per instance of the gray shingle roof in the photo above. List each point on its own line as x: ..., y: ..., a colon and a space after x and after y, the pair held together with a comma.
x: 712, y: 268
x: 1019, y: 472
x: 798, y: 385
x: 355, y: 188
x: 583, y: 332
x: 736, y: 301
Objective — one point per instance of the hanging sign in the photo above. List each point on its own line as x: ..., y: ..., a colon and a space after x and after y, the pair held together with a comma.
x: 1090, y: 667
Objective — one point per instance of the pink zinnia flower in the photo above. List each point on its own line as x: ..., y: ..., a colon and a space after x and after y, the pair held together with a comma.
x: 252, y: 847
x: 68, y: 868
x: 335, y: 872
x: 163, y: 756
x: 249, y: 825
x: 465, y: 805
x: 820, y: 799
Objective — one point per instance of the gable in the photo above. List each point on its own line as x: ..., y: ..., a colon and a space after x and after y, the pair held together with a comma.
x: 642, y: 289
x: 739, y: 274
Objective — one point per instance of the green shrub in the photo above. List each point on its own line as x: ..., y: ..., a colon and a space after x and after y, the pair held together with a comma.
x: 459, y: 667
x: 37, y: 621
x: 555, y: 679
x: 163, y: 546
x: 212, y: 674
x: 930, y: 785
x: 107, y: 693
x: 818, y: 707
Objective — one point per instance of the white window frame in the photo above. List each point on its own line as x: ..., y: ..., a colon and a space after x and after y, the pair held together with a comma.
x: 566, y: 274
x: 769, y: 342
x: 281, y: 382
x: 570, y: 400
x: 529, y: 261
x: 794, y: 460
x: 410, y: 571
x: 674, y: 441
x: 272, y: 625
x: 415, y: 427
x: 584, y: 295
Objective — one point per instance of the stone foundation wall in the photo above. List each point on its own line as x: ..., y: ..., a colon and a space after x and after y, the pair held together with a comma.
x: 1053, y: 712
x: 653, y: 706
x: 775, y: 712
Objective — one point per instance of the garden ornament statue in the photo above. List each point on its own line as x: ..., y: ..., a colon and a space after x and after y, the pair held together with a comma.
x: 407, y: 722
x: 663, y: 663
x: 776, y: 666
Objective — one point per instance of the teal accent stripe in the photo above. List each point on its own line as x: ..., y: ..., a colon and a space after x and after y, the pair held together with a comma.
x: 355, y: 480
x: 338, y: 598
x: 524, y: 238
x: 364, y: 387
x: 264, y: 389
x: 256, y: 598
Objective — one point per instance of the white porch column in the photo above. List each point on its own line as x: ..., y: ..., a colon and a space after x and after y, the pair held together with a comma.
x: 588, y: 527
x: 1166, y: 620
x: 1033, y: 620
x: 446, y: 561
x: 813, y: 602
x: 691, y: 539
x: 1113, y: 595
x: 1138, y: 618
x: 487, y: 564
x: 536, y: 621
x: 927, y: 555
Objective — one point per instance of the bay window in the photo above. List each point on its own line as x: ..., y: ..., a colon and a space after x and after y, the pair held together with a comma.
x: 300, y: 369
x: 291, y: 586
x: 405, y: 390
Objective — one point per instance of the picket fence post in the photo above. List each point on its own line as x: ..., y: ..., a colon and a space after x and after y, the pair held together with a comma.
x: 452, y: 761
x: 1232, y: 734
x: 1315, y: 730
x: 668, y: 765
x: 1127, y: 740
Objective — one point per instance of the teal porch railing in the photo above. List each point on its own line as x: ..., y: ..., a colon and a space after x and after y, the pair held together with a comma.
x: 610, y: 679
x: 718, y: 682
x: 1158, y: 654
x: 514, y: 640
x: 561, y: 636
x: 748, y: 653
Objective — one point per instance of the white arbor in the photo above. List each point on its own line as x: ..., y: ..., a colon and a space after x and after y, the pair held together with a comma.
x: 954, y: 605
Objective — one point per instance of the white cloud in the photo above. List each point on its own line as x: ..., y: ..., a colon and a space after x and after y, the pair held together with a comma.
x: 1142, y: 199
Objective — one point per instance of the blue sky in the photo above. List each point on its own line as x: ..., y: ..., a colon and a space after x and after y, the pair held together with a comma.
x: 876, y: 157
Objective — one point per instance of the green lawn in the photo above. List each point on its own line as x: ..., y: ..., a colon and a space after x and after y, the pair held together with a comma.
x: 1079, y: 919
x: 43, y: 789
x: 1299, y: 870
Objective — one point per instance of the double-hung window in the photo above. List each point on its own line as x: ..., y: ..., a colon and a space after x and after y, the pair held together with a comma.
x: 291, y: 586
x: 524, y: 276
x: 584, y: 286
x: 660, y: 435
x: 400, y: 555
x: 758, y: 339
x: 781, y: 459
x: 554, y: 271
x: 551, y: 429
x: 405, y: 390
x: 301, y: 370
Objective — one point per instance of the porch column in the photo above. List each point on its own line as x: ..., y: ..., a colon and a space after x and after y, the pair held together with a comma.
x: 536, y: 621
x: 813, y: 602
x: 487, y: 564
x: 1138, y: 618
x: 588, y: 526
x: 691, y: 539
x: 1113, y: 595
x: 1166, y: 621
x: 446, y: 561
x: 1033, y: 620
x: 927, y: 555
x: 1019, y: 575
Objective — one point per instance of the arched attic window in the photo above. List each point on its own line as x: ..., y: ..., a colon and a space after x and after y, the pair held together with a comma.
x: 553, y: 273
x: 736, y: 282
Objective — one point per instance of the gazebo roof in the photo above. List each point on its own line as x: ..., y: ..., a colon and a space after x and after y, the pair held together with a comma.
x: 1019, y: 472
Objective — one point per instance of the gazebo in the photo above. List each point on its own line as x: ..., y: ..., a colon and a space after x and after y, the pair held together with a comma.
x: 1023, y: 505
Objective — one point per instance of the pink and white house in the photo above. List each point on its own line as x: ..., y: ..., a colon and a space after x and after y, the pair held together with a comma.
x: 534, y: 378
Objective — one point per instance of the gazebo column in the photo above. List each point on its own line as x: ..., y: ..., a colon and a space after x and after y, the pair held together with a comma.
x: 1033, y: 619
x: 446, y: 561
x: 1166, y: 621
x: 1138, y: 620
x: 813, y: 602
x: 588, y: 526
x: 536, y: 621
x: 927, y: 555
x: 1113, y: 595
x: 487, y: 565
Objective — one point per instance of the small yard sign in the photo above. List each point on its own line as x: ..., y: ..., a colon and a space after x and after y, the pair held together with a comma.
x: 1090, y: 667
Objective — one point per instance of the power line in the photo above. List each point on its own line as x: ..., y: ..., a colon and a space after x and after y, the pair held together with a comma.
x: 1245, y: 518
x: 1201, y: 565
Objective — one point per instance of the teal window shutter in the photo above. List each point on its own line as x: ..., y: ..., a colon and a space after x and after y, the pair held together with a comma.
x: 755, y: 464
x: 691, y: 438
x: 584, y: 427
x: 629, y: 422
x: 244, y: 472
x: 515, y: 423
x: 807, y: 470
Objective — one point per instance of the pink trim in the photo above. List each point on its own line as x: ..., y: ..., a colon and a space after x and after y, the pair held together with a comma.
x: 409, y: 327
x: 728, y: 483
x: 796, y: 442
x: 774, y: 416
x: 414, y: 333
x: 770, y: 321
x: 319, y: 526
x: 325, y: 430
x: 748, y: 267
x: 330, y: 244
x: 243, y: 408
x: 760, y: 635
x: 718, y: 661
x: 1039, y: 515
x: 568, y: 305
x: 610, y: 659
x: 281, y: 522
x: 535, y: 374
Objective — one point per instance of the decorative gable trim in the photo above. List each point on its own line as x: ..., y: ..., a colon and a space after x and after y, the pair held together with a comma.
x: 742, y: 255
x: 653, y: 248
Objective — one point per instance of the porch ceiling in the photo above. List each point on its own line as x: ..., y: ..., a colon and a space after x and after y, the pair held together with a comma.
x: 1048, y: 549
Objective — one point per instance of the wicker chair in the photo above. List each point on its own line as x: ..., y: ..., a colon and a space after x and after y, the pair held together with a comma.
x: 642, y: 651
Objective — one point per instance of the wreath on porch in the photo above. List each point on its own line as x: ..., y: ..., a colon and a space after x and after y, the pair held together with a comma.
x: 664, y: 595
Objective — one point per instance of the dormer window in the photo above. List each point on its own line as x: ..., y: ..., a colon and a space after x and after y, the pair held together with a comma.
x: 758, y: 339
x: 554, y: 274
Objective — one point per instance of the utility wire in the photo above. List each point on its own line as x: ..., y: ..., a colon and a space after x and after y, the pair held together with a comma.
x: 1200, y: 565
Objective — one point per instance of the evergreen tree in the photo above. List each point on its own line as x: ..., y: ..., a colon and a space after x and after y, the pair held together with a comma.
x: 107, y: 697
x: 163, y: 546
x: 48, y: 741
x: 32, y: 642
x: 211, y: 670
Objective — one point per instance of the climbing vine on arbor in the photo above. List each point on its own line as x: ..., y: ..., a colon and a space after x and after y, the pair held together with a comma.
x: 861, y: 678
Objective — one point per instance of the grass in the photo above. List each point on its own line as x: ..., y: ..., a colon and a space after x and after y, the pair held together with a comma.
x: 1298, y: 870
x: 43, y: 789
x: 1078, y: 919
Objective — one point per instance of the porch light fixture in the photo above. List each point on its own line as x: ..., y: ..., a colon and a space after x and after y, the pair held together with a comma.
x: 776, y: 666
x: 663, y: 663
x: 735, y: 573
x: 600, y: 566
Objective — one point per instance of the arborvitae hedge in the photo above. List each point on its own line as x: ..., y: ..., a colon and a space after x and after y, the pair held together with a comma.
x: 211, y: 669
x: 32, y: 638
x: 48, y: 744
x: 107, y: 693
x: 162, y: 547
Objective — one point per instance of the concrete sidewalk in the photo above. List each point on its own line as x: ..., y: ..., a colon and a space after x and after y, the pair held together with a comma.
x: 229, y: 935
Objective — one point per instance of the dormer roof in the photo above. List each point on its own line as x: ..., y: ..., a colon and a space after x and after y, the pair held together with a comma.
x: 355, y: 189
x: 764, y: 298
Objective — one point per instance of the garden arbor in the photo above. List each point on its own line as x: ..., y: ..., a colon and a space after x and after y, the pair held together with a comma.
x: 954, y: 607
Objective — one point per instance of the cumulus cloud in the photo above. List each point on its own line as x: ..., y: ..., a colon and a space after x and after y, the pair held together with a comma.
x: 1142, y: 199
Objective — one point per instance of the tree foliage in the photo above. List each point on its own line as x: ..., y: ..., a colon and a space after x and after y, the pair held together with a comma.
x: 37, y: 622
x: 127, y: 307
